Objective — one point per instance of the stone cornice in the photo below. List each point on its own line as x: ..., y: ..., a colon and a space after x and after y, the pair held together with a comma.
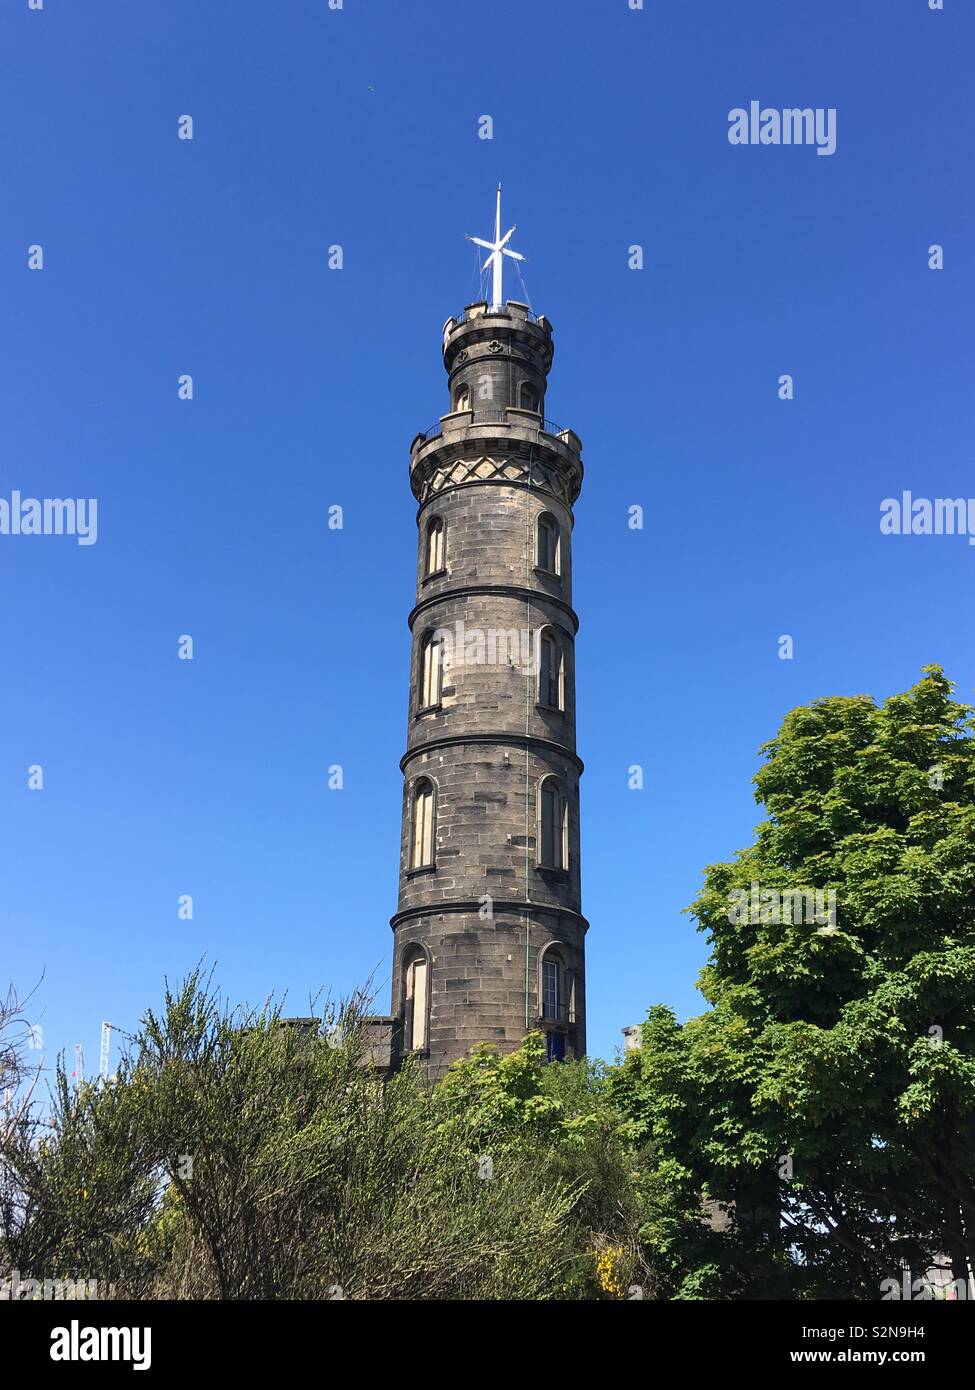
x: 521, y: 905
x: 511, y: 451
x: 493, y: 590
x: 549, y: 745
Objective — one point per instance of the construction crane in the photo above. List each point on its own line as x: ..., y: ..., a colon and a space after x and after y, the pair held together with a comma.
x: 104, y: 1052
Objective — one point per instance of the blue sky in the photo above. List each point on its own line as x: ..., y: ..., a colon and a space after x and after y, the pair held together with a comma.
x: 360, y: 127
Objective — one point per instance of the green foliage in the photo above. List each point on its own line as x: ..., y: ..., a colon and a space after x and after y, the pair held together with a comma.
x: 840, y: 1053
x: 501, y: 1098
x: 559, y: 1119
x: 235, y: 1157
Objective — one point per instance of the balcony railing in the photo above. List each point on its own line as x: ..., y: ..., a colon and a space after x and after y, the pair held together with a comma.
x: 494, y: 416
x: 528, y: 314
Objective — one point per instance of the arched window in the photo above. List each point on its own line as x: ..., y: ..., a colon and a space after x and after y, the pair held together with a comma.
x: 462, y: 398
x: 423, y: 836
x: 435, y: 546
x: 528, y: 396
x: 556, y: 998
x: 431, y: 671
x: 415, y: 1010
x: 549, y: 669
x: 553, y: 988
x: 547, y: 544
x: 553, y: 846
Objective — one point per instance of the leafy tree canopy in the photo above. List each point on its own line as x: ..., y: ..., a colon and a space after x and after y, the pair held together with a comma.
x: 833, y: 1078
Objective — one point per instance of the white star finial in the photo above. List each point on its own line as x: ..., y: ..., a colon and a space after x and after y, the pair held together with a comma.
x: 499, y: 249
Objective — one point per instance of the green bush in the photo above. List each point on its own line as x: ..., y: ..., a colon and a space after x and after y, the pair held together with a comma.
x: 234, y: 1157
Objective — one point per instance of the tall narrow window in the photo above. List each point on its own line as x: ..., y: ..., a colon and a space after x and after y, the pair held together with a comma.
x: 415, y: 1022
x: 431, y: 671
x: 551, y: 988
x: 528, y: 396
x: 421, y: 853
x: 462, y: 398
x: 547, y: 548
x: 552, y: 848
x: 435, y: 546
x: 549, y: 670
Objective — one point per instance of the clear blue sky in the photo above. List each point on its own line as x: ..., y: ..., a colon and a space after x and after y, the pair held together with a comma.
x: 359, y: 127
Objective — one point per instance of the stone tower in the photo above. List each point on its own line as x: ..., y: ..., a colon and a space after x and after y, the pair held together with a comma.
x: 489, y: 933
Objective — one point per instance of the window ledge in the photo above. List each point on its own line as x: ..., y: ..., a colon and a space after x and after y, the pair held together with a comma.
x: 549, y: 574
x: 548, y: 709
x: 427, y: 709
x: 421, y: 869
x: 435, y: 574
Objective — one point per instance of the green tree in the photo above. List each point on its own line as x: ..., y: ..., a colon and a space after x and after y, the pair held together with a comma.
x: 827, y: 1098
x: 559, y: 1119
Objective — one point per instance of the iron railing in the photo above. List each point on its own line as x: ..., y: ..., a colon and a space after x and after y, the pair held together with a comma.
x: 529, y: 315
x: 493, y: 416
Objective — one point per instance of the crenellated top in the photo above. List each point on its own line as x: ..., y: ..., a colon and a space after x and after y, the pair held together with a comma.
x: 498, y: 358
x: 513, y: 310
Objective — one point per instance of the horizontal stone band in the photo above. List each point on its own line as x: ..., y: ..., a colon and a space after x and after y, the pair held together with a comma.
x: 521, y: 905
x: 494, y: 590
x: 547, y: 745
